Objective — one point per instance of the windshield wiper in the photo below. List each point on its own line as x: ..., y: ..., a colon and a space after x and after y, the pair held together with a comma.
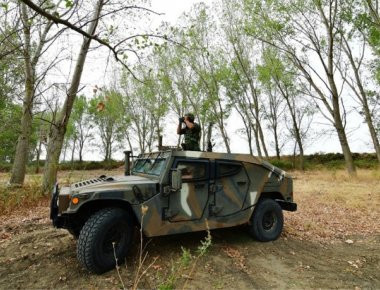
x: 154, y: 162
x: 145, y: 161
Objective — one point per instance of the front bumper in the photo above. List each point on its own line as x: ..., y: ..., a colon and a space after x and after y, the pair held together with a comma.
x: 54, y: 209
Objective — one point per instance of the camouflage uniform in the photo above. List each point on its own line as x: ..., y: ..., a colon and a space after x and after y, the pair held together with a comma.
x: 192, y: 137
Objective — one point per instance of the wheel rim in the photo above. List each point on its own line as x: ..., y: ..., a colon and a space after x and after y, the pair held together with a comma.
x: 269, y: 220
x: 114, y: 237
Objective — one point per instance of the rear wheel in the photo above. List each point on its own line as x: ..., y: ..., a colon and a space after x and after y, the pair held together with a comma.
x: 267, y: 221
x: 106, y: 235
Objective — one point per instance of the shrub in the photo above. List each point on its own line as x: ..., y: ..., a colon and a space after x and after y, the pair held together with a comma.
x: 283, y: 164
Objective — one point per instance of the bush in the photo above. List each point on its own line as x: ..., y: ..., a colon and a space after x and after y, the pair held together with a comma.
x: 91, y: 165
x: 283, y: 164
x: 76, y: 165
x: 5, y: 167
x: 13, y: 198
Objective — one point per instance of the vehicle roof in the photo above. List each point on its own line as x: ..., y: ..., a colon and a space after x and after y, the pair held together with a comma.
x: 211, y: 155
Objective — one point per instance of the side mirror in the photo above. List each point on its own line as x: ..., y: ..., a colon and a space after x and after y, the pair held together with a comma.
x: 176, y: 179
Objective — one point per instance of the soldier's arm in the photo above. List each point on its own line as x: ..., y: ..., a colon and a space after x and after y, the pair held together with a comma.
x: 180, y: 131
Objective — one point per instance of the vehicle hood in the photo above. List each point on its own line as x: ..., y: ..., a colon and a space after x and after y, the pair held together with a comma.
x: 112, y: 183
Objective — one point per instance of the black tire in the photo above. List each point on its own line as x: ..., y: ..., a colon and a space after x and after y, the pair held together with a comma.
x: 267, y: 221
x: 94, y: 247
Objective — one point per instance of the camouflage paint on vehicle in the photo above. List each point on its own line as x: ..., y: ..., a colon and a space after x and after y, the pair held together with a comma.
x: 224, y: 200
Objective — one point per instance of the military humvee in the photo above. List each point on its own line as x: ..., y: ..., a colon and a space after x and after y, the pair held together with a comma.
x: 170, y: 192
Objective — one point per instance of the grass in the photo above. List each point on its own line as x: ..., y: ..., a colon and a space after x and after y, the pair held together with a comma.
x: 329, y: 201
x: 30, y: 195
x: 332, y: 205
x: 18, y: 198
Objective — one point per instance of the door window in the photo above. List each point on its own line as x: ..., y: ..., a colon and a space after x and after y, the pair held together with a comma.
x: 192, y: 171
x: 224, y: 169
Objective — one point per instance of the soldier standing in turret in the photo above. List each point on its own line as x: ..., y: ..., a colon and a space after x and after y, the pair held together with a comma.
x: 192, y: 132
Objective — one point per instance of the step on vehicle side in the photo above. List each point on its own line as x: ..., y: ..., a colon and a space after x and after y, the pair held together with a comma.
x: 179, y: 191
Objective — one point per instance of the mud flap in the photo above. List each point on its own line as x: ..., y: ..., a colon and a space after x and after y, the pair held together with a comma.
x: 287, y: 205
x: 54, y: 207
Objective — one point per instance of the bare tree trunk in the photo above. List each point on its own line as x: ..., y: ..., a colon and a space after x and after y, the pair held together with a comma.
x: 110, y: 151
x: 276, y: 142
x: 22, y: 147
x: 256, y: 104
x: 261, y: 135
x: 64, y: 151
x: 58, y: 131
x: 297, y: 133
x: 81, y: 145
x: 38, y: 156
x: 129, y: 143
x: 258, y: 147
x: 73, y: 150
x: 334, y: 91
x: 338, y: 124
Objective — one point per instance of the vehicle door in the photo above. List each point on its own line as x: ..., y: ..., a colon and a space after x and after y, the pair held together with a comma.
x: 190, y: 202
x: 230, y: 188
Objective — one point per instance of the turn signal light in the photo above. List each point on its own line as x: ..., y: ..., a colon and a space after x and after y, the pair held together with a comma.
x: 75, y: 200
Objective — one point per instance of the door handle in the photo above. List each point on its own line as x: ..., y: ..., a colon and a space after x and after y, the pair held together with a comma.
x: 241, y: 183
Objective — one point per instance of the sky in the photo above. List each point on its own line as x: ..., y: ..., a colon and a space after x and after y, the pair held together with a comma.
x: 95, y: 73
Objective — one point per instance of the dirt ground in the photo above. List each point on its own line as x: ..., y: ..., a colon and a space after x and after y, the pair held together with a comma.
x: 332, y: 241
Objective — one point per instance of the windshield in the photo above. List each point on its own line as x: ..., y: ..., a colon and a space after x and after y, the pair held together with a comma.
x: 152, y: 165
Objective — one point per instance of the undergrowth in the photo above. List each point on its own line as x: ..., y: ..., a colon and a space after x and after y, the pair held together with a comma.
x: 183, y: 268
x: 13, y: 198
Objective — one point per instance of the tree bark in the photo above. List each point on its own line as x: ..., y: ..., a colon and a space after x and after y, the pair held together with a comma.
x: 22, y: 147
x: 73, y: 150
x: 258, y: 147
x: 58, y: 131
x: 334, y: 92
x: 30, y: 60
x: 261, y: 135
x: 38, y: 156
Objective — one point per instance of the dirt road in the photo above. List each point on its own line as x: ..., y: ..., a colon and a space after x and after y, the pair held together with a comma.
x: 35, y: 255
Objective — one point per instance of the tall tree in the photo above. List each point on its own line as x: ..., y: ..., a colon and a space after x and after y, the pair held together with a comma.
x: 58, y: 131
x: 282, y: 75
x: 32, y: 49
x: 207, y: 64
x: 293, y: 28
x: 82, y: 123
x: 244, y: 52
x: 354, y: 67
x: 107, y: 115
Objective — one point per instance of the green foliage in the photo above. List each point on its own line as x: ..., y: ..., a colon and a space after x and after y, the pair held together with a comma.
x: 10, y: 115
x: 330, y: 161
x: 107, y: 114
x: 186, y: 257
x: 186, y: 262
x: 283, y: 164
x: 91, y: 165
x: 68, y: 3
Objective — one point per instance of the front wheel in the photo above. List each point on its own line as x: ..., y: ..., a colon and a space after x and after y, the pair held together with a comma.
x: 105, y: 237
x: 267, y: 221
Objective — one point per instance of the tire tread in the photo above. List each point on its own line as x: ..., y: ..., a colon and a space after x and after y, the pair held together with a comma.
x: 87, y: 238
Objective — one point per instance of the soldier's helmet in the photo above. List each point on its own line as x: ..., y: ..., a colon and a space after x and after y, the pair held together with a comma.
x: 190, y: 116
